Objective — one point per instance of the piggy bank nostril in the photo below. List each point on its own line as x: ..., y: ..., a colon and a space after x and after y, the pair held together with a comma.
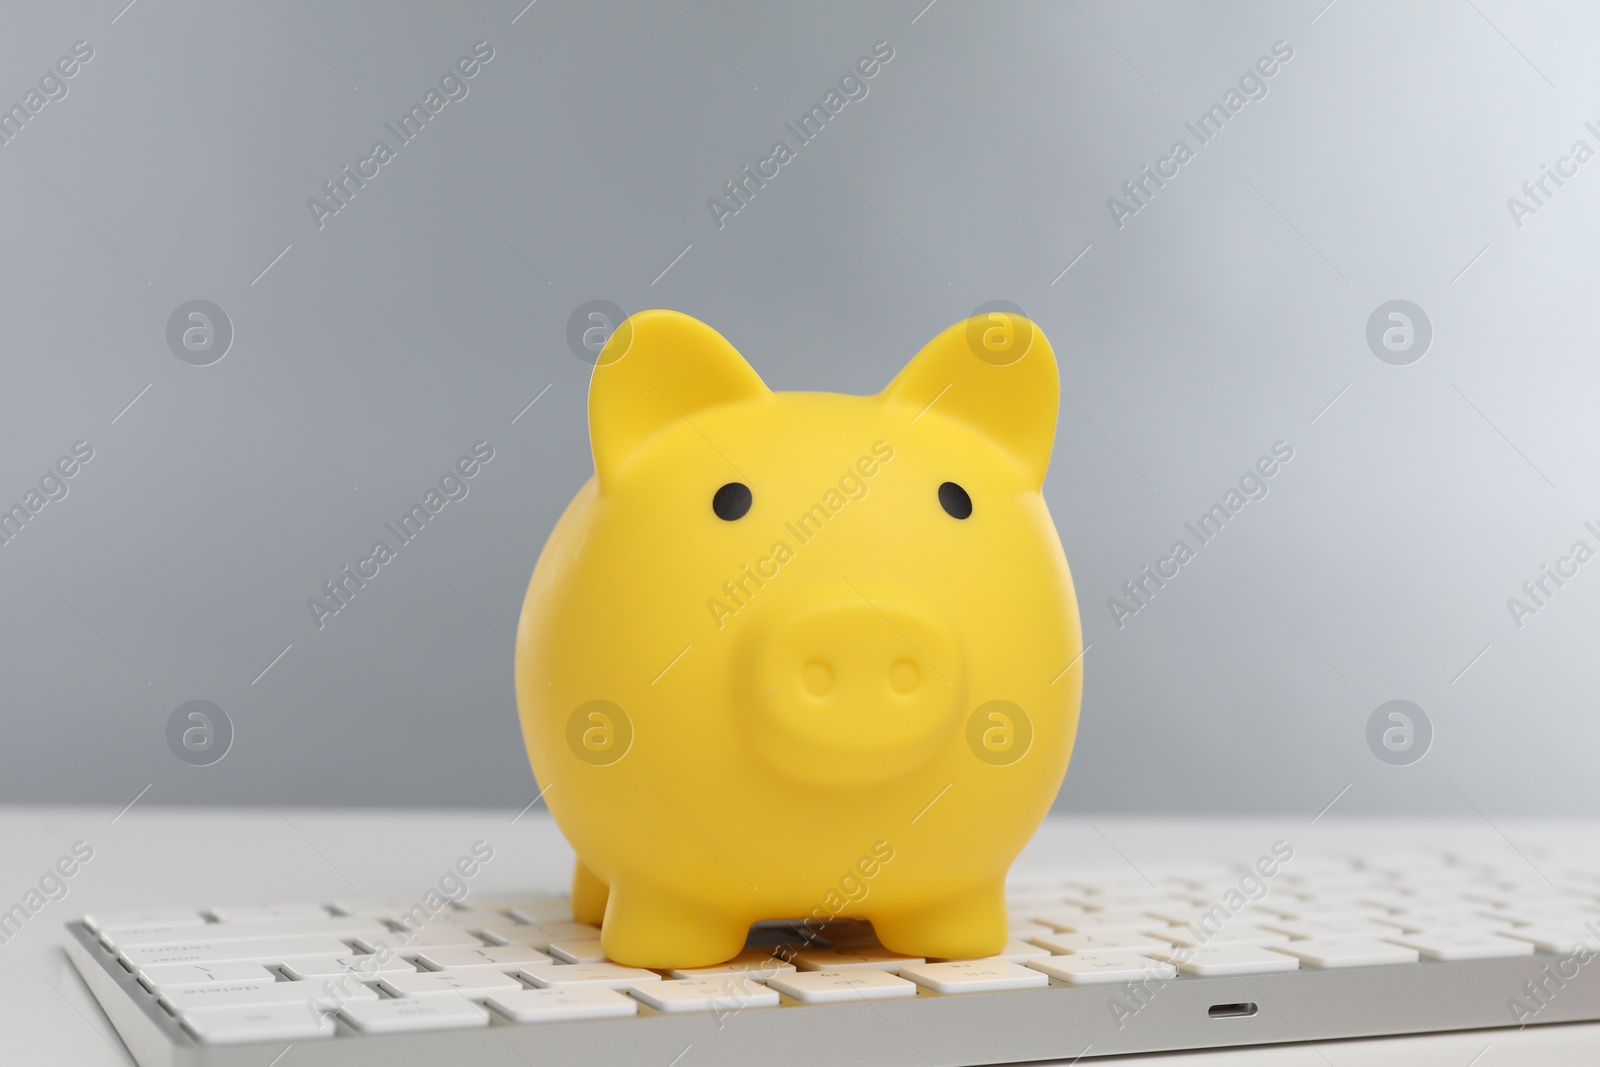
x: 904, y: 676
x: 817, y: 678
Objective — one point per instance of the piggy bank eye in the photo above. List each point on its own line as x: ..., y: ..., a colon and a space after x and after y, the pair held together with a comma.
x: 733, y: 500
x: 955, y: 501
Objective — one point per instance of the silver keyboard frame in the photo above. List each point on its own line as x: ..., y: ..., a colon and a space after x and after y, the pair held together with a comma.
x: 928, y: 1030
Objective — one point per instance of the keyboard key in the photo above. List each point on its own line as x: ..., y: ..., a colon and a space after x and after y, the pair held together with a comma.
x: 1438, y: 924
x: 364, y: 968
x: 1014, y: 952
x: 1435, y: 904
x: 1125, y: 919
x: 1024, y: 931
x: 102, y: 920
x: 1043, y: 897
x: 1320, y: 911
x: 191, y: 998
x: 486, y: 957
x: 1211, y: 915
x: 605, y: 975
x: 1464, y: 946
x: 474, y: 984
x: 410, y: 945
x: 569, y: 1002
x: 1098, y: 941
x: 850, y: 957
x: 273, y: 951
x: 233, y: 913
x: 413, y: 1013
x: 1094, y: 968
x: 468, y: 917
x: 1139, y: 899
x: 1216, y: 960
x: 372, y: 907
x: 753, y: 963
x: 542, y: 911
x: 192, y: 976
x: 272, y: 1022
x: 585, y: 951
x: 1561, y: 940
x: 1333, y: 929
x: 341, y: 927
x: 1049, y: 916
x: 974, y: 977
x: 1352, y: 953
x: 1231, y: 934
x: 539, y: 935
x: 1524, y: 916
x: 724, y: 993
x: 827, y: 987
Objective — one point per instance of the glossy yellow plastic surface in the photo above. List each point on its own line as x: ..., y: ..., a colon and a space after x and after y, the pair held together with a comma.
x: 845, y: 701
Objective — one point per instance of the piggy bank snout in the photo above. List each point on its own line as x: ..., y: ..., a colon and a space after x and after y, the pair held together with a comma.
x: 854, y: 687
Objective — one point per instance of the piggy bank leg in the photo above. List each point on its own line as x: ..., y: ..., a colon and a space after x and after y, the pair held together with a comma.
x: 958, y: 928
x: 588, y: 895
x: 645, y: 927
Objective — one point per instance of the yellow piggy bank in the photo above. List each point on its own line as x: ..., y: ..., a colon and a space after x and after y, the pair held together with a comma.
x: 803, y: 655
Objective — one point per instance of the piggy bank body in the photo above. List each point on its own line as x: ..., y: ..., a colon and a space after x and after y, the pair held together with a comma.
x: 803, y: 655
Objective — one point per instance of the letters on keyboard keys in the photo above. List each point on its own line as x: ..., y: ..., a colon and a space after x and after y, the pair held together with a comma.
x: 1098, y: 941
x: 413, y: 1013
x: 852, y: 956
x: 364, y: 968
x: 487, y: 957
x: 475, y: 984
x: 238, y: 995
x: 1215, y: 960
x: 585, y: 951
x: 273, y: 951
x: 1464, y: 946
x: 568, y: 1002
x: 1356, y: 952
x: 193, y: 976
x: 1095, y: 968
x: 272, y: 1022
x: 724, y: 994
x: 754, y: 963
x: 975, y: 977
x: 606, y: 975
x: 828, y: 987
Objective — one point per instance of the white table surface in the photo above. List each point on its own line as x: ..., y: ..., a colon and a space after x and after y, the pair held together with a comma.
x: 164, y: 857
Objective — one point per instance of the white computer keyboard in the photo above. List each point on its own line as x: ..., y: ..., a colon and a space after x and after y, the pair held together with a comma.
x: 1278, y: 949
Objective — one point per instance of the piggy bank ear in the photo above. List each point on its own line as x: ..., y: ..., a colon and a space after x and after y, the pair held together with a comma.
x: 657, y: 368
x: 997, y: 374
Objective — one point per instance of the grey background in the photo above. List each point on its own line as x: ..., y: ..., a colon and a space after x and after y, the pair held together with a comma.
x: 1223, y: 317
